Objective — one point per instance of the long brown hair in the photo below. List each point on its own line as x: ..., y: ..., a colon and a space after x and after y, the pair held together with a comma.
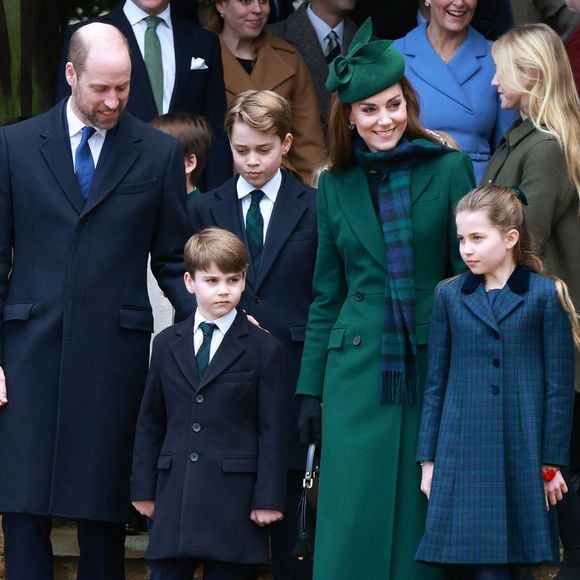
x: 341, y: 137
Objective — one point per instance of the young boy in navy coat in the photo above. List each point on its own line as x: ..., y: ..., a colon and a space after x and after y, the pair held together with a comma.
x: 209, y: 465
x: 275, y: 214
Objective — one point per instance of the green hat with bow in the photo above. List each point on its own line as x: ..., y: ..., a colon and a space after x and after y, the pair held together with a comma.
x: 369, y: 67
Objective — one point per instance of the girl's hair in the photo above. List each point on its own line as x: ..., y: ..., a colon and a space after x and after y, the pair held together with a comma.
x: 531, y: 60
x: 505, y: 210
x: 265, y: 111
x: 341, y: 137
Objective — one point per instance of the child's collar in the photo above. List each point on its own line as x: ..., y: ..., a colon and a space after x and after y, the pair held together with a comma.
x: 518, y: 282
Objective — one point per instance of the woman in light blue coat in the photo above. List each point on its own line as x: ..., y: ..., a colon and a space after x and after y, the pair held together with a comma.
x: 450, y: 66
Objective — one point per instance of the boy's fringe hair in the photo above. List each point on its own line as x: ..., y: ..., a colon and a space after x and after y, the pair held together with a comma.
x: 215, y: 246
x: 503, y: 208
x: 264, y: 110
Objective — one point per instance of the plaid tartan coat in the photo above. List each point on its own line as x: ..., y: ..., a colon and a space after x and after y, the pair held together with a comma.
x: 498, y: 405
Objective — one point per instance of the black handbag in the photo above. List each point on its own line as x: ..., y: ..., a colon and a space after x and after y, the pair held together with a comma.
x: 306, y: 521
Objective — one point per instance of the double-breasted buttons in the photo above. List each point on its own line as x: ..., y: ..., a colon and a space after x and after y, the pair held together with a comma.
x: 257, y: 299
x: 496, y: 362
x: 199, y: 398
x: 494, y: 390
x: 356, y: 340
x: 194, y: 457
x: 496, y: 334
x: 196, y: 427
x: 358, y: 295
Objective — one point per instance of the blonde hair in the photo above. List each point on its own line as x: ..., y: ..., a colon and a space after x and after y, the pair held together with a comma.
x: 265, y: 111
x: 531, y: 60
x: 215, y: 246
x: 504, y: 209
x: 341, y: 138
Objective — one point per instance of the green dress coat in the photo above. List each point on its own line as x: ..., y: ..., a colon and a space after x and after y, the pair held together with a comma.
x: 534, y: 161
x: 371, y: 513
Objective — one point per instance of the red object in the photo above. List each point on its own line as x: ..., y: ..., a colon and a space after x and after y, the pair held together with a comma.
x: 548, y: 473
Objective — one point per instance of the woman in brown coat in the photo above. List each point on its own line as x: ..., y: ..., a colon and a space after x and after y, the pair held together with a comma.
x: 255, y: 59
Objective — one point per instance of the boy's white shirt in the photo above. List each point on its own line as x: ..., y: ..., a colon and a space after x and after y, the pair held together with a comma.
x: 223, y: 325
x: 270, y: 189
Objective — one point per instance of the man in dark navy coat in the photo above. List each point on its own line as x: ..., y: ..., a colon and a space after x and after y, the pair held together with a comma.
x: 76, y: 319
x: 192, y: 74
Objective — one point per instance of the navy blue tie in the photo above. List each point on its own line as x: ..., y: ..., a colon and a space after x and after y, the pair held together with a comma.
x: 202, y: 356
x: 84, y: 164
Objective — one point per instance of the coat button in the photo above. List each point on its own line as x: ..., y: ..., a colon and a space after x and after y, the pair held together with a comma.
x: 496, y: 334
x: 199, y: 398
x: 257, y: 299
x: 494, y: 390
x: 358, y: 295
x: 356, y: 340
x: 196, y: 427
x: 194, y: 457
x: 496, y: 362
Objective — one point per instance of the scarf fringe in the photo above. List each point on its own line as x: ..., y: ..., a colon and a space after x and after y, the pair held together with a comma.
x: 396, y: 390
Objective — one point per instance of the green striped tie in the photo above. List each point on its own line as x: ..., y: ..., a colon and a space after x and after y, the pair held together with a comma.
x: 202, y: 356
x: 255, y: 228
x: 153, y: 60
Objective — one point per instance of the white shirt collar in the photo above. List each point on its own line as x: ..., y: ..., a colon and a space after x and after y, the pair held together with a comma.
x: 322, y: 29
x: 270, y: 189
x: 75, y: 125
x: 223, y: 323
x: 135, y: 14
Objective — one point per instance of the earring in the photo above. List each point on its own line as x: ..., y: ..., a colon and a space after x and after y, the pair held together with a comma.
x: 351, y: 126
x: 427, y: 3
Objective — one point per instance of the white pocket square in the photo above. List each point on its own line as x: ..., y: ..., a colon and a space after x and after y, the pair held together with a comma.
x: 197, y: 63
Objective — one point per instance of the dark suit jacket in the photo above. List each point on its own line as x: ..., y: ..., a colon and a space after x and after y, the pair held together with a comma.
x: 76, y: 318
x: 210, y: 450
x: 195, y: 91
x: 279, y: 296
x: 298, y: 30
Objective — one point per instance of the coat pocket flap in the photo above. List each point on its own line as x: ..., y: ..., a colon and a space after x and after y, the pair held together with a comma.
x: 298, y: 333
x: 239, y: 464
x: 164, y: 461
x: 139, y: 187
x: 136, y: 319
x: 336, y: 338
x: 20, y: 311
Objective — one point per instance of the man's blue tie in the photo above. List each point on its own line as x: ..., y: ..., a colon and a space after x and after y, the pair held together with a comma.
x: 202, y: 356
x: 84, y: 164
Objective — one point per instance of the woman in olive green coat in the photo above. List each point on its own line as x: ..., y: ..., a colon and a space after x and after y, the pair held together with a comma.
x: 386, y: 237
x: 540, y: 154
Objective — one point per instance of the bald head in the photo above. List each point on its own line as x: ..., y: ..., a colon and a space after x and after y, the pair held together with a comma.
x: 99, y: 74
x: 92, y: 38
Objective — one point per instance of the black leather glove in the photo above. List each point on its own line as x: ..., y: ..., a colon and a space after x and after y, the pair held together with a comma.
x: 310, y: 420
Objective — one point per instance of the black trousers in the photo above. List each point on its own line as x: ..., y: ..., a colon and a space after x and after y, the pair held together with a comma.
x: 28, y: 550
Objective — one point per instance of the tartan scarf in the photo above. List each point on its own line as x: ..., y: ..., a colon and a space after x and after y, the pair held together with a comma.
x: 398, y: 345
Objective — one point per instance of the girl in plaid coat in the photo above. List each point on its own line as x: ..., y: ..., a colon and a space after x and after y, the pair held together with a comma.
x: 496, y: 419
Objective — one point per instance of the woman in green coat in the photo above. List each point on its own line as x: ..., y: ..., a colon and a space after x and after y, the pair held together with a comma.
x: 386, y: 238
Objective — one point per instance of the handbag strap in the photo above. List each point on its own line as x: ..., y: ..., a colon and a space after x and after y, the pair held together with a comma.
x: 310, y: 472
